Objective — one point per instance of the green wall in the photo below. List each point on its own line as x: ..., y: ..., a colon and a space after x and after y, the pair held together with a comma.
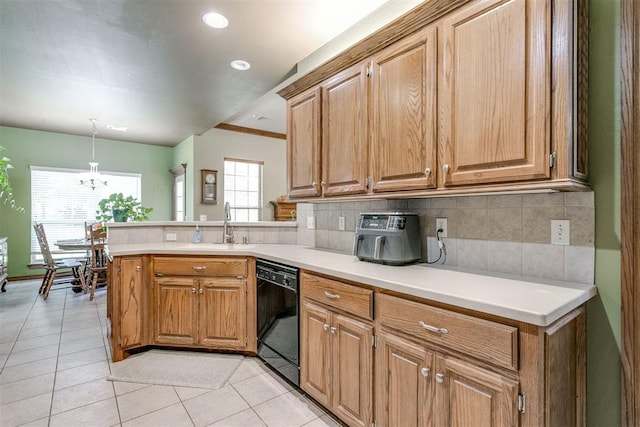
x: 29, y: 147
x: 603, y: 312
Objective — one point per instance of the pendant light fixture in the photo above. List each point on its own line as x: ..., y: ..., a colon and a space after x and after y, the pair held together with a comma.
x: 92, y: 178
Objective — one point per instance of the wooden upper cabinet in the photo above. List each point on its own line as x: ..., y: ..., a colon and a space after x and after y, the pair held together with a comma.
x: 345, y: 132
x: 495, y: 92
x: 303, y: 140
x: 403, y: 121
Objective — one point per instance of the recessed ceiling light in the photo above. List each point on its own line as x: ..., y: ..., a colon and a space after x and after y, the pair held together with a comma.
x: 215, y: 20
x: 118, y: 128
x: 241, y: 65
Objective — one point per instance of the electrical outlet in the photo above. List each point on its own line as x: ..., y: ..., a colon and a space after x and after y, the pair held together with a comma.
x: 341, y: 223
x: 311, y: 222
x: 560, y: 231
x: 441, y: 223
x: 171, y: 236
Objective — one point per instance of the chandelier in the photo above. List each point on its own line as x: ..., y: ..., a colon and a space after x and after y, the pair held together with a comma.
x: 92, y: 178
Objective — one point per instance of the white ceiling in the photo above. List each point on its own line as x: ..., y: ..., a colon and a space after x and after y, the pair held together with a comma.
x: 154, y: 67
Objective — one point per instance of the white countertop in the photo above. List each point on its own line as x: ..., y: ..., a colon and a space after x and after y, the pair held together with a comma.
x: 532, y: 300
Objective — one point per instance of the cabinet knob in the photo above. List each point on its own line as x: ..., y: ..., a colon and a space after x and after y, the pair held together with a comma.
x: 425, y: 372
x: 325, y: 327
x: 314, y: 184
x: 427, y: 171
x: 445, y: 168
x: 193, y: 290
x: 439, y: 378
x: 332, y: 329
x: 138, y: 268
x: 322, y: 184
x: 200, y: 291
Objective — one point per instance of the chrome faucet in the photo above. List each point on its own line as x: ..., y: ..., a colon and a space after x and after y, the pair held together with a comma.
x: 227, y: 234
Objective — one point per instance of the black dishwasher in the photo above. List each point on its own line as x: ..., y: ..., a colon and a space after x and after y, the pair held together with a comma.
x: 278, y: 318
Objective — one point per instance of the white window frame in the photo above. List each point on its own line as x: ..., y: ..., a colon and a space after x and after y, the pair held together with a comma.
x: 235, y: 192
x: 58, y: 226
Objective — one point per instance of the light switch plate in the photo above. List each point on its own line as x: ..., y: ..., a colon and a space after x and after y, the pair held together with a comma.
x: 560, y: 231
x: 171, y: 237
x: 341, y: 223
x: 311, y: 222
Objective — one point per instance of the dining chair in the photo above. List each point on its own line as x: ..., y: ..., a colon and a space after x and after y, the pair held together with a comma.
x: 97, y: 267
x: 53, y: 266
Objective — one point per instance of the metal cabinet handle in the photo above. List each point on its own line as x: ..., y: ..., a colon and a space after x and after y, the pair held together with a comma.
x: 330, y: 295
x: 439, y: 378
x: 433, y: 328
x: 332, y: 329
x: 138, y: 268
x: 427, y: 171
x: 325, y: 327
x: 425, y: 372
x: 200, y: 290
x: 193, y: 290
x: 322, y: 184
x: 314, y: 184
x: 445, y: 168
x: 199, y: 267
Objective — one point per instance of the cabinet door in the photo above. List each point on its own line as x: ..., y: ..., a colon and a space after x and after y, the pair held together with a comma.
x: 495, y: 92
x: 222, y: 313
x: 403, y: 131
x: 315, y: 356
x: 303, y: 144
x: 404, y: 383
x: 131, y: 305
x: 468, y: 395
x: 345, y: 132
x: 352, y: 370
x: 175, y: 311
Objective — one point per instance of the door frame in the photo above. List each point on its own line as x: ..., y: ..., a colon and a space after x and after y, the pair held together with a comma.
x: 630, y: 209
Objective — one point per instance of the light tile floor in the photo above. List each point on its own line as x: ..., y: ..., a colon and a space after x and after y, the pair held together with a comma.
x: 55, y: 357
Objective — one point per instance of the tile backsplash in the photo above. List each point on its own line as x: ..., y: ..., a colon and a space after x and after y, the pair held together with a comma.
x: 497, y: 233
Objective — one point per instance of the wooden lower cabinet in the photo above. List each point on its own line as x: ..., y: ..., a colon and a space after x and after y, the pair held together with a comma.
x: 404, y: 382
x: 337, y: 362
x: 198, y: 302
x: 469, y: 395
x: 127, y: 305
x: 202, y: 311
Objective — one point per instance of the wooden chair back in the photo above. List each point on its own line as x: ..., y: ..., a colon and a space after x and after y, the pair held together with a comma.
x: 44, y: 245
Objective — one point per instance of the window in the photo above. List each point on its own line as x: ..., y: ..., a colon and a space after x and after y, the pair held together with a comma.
x: 243, y: 189
x: 62, y: 205
x: 179, y: 192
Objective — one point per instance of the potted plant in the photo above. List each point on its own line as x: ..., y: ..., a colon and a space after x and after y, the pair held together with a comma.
x: 6, y: 193
x: 122, y: 209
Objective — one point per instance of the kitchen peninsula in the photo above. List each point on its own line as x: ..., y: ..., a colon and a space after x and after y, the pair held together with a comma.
x: 511, y: 347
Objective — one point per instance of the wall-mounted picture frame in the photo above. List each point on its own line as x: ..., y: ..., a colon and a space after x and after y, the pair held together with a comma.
x: 209, y: 181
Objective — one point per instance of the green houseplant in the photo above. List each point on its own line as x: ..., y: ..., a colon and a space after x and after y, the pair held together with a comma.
x: 122, y: 209
x: 6, y: 192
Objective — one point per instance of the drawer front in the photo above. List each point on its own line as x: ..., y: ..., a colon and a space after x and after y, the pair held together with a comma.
x: 352, y: 299
x: 483, y: 339
x: 179, y: 266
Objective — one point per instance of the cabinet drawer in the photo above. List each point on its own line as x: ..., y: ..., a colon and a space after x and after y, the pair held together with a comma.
x: 178, y: 266
x: 483, y: 339
x: 352, y: 299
